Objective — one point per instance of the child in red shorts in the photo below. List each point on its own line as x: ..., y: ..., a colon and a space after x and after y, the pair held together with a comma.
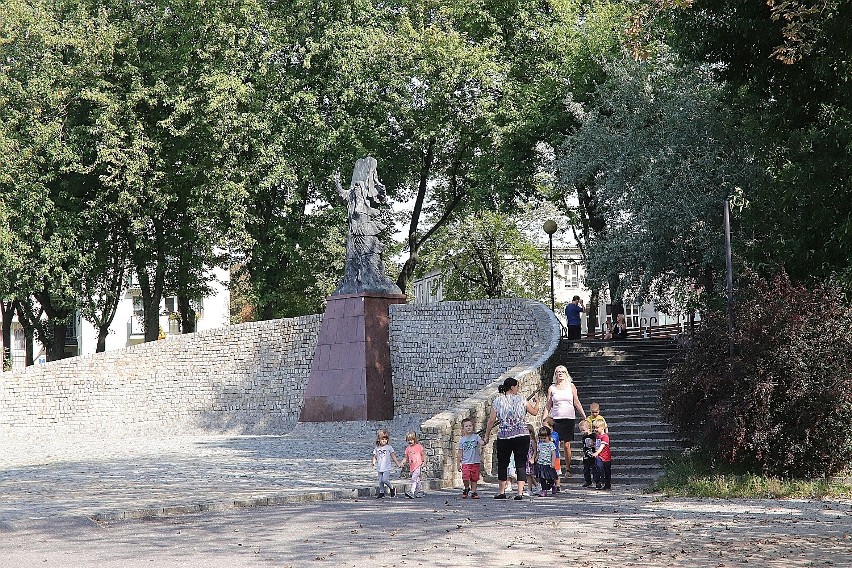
x: 470, y: 456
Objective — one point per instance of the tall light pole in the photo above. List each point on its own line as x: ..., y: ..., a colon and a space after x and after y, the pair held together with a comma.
x: 730, y: 278
x: 550, y: 228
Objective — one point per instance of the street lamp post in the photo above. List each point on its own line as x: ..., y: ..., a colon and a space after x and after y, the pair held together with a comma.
x: 550, y: 228
x: 729, y: 278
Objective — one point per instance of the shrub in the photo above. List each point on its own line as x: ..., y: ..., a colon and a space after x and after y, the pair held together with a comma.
x: 782, y: 405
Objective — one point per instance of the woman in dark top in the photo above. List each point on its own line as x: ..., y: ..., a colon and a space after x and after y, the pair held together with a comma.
x: 619, y: 329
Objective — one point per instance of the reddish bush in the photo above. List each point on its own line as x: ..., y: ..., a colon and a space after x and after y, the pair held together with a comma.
x: 782, y: 405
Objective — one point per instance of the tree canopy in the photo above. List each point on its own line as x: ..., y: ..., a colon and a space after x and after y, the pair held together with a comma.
x: 167, y: 137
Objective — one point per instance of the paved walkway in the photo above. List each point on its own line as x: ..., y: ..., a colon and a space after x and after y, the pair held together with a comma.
x: 120, y: 478
x: 77, y: 502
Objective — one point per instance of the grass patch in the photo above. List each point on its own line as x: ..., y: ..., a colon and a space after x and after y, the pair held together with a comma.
x: 694, y: 475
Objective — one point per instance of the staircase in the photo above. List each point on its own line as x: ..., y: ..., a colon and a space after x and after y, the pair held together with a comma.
x: 625, y: 379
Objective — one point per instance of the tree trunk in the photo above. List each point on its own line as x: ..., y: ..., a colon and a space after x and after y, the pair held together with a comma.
x: 6, y: 311
x: 592, y: 315
x: 103, y: 331
x: 615, y: 297
x: 151, y: 317
x: 414, y: 244
x: 28, y: 321
x: 152, y: 292
x: 29, y: 340
x: 187, y: 315
x: 407, y: 272
x: 56, y: 326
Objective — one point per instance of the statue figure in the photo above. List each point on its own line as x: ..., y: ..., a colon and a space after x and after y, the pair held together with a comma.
x: 365, y: 271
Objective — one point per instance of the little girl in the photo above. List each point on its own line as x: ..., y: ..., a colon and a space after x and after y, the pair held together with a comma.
x: 383, y: 453
x: 531, y: 459
x: 544, y: 471
x: 415, y: 456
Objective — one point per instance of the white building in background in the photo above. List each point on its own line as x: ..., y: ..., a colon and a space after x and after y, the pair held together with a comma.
x: 568, y: 273
x: 82, y: 338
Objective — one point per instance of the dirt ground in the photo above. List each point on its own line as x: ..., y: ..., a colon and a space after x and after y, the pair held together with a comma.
x: 576, y: 528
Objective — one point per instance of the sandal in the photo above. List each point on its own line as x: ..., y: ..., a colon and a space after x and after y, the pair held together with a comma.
x: 500, y: 496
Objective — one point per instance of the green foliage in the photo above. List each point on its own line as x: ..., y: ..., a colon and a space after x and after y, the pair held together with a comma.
x: 655, y: 156
x: 782, y: 405
x: 484, y: 255
x: 786, y: 65
x: 694, y: 474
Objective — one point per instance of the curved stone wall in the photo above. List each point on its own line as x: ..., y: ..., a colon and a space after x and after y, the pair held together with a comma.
x: 244, y: 378
x: 251, y: 377
x: 443, y: 353
x: 449, y: 358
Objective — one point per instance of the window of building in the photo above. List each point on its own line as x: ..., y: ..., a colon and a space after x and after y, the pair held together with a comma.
x: 631, y: 313
x: 19, y: 341
x: 572, y: 275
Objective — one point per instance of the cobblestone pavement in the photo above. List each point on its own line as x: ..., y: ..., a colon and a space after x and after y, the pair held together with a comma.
x: 115, y: 478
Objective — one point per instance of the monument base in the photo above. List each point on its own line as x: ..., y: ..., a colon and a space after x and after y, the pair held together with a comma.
x: 351, y: 373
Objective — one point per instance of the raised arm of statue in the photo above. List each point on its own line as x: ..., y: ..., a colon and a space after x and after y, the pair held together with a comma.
x: 344, y: 195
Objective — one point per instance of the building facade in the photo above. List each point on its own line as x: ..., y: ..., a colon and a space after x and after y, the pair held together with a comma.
x: 82, y: 337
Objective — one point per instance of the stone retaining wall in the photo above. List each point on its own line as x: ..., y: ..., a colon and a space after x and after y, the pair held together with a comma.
x: 251, y: 377
x: 244, y: 378
x: 480, y: 345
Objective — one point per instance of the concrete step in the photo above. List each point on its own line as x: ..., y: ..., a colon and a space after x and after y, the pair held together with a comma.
x: 620, y: 476
x: 627, y: 461
x: 626, y: 379
x: 612, y: 398
x: 617, y: 407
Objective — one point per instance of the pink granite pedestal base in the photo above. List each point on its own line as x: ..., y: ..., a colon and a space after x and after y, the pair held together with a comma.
x: 351, y: 374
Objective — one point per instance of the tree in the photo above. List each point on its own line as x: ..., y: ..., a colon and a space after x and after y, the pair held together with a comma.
x: 484, y: 255
x: 51, y: 54
x: 657, y: 155
x: 305, y: 110
x: 102, y: 275
x: 434, y: 120
x: 786, y: 65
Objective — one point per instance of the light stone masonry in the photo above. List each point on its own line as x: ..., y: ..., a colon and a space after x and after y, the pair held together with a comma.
x: 241, y: 378
x: 447, y: 360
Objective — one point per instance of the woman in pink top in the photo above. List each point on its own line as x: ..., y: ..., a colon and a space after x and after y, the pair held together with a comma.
x: 562, y: 400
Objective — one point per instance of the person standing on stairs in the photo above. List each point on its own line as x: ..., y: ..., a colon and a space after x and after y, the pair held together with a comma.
x: 572, y: 317
x: 562, y: 405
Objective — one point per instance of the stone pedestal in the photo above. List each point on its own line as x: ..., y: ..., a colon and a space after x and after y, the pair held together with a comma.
x: 351, y: 373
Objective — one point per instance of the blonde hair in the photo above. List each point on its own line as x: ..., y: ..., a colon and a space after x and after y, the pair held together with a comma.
x: 382, y: 433
x: 595, y: 406
x: 411, y: 436
x: 561, y: 368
